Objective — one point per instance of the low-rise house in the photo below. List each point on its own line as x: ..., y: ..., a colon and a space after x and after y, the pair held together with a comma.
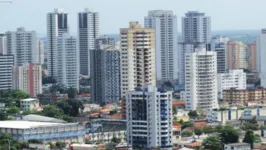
x: 237, y: 146
x: 29, y: 104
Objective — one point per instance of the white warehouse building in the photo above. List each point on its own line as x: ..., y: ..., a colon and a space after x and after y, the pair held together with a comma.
x: 233, y: 79
x: 201, y: 79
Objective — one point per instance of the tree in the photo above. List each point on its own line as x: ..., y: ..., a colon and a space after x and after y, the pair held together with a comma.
x: 60, y: 145
x: 3, y: 116
x: 212, y: 143
x: 35, y: 141
x: 249, y: 138
x: 116, y: 140
x: 218, y: 128
x: 13, y: 110
x: 70, y: 107
x: 200, y: 111
x: 193, y: 114
x: 198, y: 132
x: 52, y: 111
x: 181, y: 121
x: 229, y: 135
x: 249, y: 126
x: 186, y: 133
x: 208, y: 130
x: 187, y: 124
x: 5, y: 140
x: 174, y: 110
x: 72, y: 92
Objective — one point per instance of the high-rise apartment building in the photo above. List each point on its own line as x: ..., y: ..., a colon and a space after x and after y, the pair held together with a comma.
x: 236, y: 55
x: 40, y: 49
x: 196, y: 27
x: 28, y: 78
x: 105, y: 75
x: 3, y: 44
x: 261, y: 54
x: 196, y: 33
x: 88, y: 31
x: 233, y: 79
x: 105, y: 41
x: 219, y: 45
x: 57, y: 25
x: 22, y: 44
x: 137, y: 46
x: 164, y: 23
x: 252, y: 57
x: 6, y: 64
x: 149, y: 118
x: 68, y: 61
x: 201, y: 80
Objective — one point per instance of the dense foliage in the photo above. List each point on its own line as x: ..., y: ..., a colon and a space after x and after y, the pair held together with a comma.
x: 212, y: 143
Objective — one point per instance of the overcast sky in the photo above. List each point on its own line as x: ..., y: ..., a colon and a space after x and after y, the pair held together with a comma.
x: 115, y: 14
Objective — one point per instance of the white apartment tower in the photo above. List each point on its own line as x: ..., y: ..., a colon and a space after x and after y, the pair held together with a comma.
x: 3, y: 44
x: 40, y: 48
x: 164, y: 23
x: 233, y: 79
x: 137, y: 46
x: 196, y: 27
x: 196, y: 33
x: 219, y: 45
x: 6, y: 64
x: 201, y: 80
x: 149, y: 118
x: 88, y: 31
x: 57, y: 25
x: 28, y: 78
x: 68, y: 61
x: 261, y: 55
x: 22, y: 44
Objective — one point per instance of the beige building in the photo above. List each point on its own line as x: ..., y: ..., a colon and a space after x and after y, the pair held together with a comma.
x: 29, y: 104
x: 28, y: 78
x: 242, y: 97
x: 252, y: 57
x: 137, y: 57
x: 236, y: 55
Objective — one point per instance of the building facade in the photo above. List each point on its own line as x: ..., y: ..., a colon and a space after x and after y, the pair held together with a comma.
x: 29, y: 104
x: 6, y: 64
x: 22, y: 131
x: 196, y: 33
x: 236, y: 97
x: 68, y: 61
x: 261, y: 53
x: 233, y: 79
x: 196, y: 27
x: 28, y: 78
x: 164, y: 23
x: 236, y: 55
x: 105, y: 41
x: 137, y: 57
x: 219, y: 45
x: 252, y: 57
x: 105, y: 75
x: 149, y: 118
x: 88, y: 31
x: 22, y: 44
x: 201, y: 80
x: 57, y: 25
x: 3, y: 44
x: 40, y: 48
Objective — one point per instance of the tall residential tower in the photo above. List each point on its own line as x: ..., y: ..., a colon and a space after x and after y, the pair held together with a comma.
x: 57, y: 25
x: 164, y: 23
x: 88, y: 31
x: 22, y: 44
x: 201, y: 80
x: 137, y: 57
x: 196, y: 33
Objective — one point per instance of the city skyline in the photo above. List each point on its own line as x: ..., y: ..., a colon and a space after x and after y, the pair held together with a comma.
x: 235, y: 16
